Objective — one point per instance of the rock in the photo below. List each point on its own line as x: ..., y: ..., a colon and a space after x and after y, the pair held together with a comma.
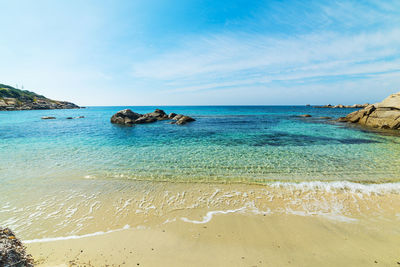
x: 12, y: 252
x: 125, y: 117
x: 177, y: 117
x: 342, y: 119
x: 48, y: 118
x: 184, y: 120
x: 71, y: 118
x: 343, y: 106
x: 325, y: 118
x: 128, y: 117
x: 171, y: 115
x: 145, y: 119
x: 158, y: 114
x: 391, y: 102
x: 305, y: 116
x: 383, y: 115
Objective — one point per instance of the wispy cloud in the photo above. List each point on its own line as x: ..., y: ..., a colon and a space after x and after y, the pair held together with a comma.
x: 244, y: 59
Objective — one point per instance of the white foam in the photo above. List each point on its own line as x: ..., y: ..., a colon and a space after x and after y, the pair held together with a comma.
x: 341, y: 185
x: 251, y: 208
x: 52, y: 239
x: 210, y: 214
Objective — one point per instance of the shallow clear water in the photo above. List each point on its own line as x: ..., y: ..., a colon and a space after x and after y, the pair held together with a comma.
x: 61, y: 177
x: 225, y: 143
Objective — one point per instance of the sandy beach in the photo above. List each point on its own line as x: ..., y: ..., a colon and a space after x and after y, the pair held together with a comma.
x: 222, y: 233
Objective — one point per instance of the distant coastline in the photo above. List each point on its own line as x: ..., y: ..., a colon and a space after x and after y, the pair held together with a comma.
x: 15, y: 99
x: 343, y: 106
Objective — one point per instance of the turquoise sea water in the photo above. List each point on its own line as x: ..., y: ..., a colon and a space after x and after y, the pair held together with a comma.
x: 226, y: 143
x: 74, y: 177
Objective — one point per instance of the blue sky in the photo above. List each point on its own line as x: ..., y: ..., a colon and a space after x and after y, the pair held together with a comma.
x: 202, y: 52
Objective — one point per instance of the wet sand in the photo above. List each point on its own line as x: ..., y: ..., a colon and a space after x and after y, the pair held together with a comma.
x: 233, y: 240
x: 238, y: 225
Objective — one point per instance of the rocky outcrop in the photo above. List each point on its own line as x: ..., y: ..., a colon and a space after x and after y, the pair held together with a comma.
x: 343, y: 106
x: 16, y: 99
x: 12, y: 252
x: 128, y: 117
x: 383, y: 115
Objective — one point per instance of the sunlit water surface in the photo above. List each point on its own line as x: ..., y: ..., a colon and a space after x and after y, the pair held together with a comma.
x: 51, y: 169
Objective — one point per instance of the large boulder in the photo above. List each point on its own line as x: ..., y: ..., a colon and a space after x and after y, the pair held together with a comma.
x: 125, y: 117
x: 158, y: 114
x: 383, y: 115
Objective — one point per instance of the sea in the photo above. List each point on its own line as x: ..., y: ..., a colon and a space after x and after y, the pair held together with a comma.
x: 71, y: 177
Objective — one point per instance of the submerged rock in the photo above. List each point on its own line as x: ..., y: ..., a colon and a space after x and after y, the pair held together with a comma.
x: 48, y: 118
x: 71, y: 118
x: 12, y: 252
x: 128, y: 117
x: 383, y: 115
x: 305, y: 116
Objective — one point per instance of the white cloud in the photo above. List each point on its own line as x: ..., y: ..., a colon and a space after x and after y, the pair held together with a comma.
x: 344, y: 44
x: 229, y: 60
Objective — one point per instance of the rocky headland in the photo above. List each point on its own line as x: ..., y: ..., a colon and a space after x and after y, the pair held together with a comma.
x: 128, y: 117
x: 383, y: 115
x: 15, y: 99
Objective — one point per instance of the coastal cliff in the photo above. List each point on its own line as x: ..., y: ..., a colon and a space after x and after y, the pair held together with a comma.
x: 383, y: 115
x: 15, y: 99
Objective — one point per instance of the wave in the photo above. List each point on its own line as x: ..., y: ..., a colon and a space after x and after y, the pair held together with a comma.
x: 351, y: 187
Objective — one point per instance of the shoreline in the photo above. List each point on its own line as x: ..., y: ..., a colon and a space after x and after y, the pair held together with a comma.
x: 218, y: 224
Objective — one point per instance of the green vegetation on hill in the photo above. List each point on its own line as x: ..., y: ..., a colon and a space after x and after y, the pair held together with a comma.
x: 15, y: 99
x: 9, y: 91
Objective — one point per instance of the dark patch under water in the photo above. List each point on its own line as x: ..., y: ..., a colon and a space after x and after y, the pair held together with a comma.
x: 288, y: 139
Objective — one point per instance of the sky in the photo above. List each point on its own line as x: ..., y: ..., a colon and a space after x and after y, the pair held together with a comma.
x: 202, y: 52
